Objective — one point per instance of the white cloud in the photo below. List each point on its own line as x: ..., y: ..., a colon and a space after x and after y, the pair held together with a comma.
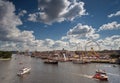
x: 71, y: 44
x: 32, y: 17
x: 58, y: 45
x: 78, y: 36
x: 83, y: 31
x: 9, y: 22
x: 9, y: 32
x: 110, y: 26
x: 26, y: 36
x: 109, y: 43
x: 57, y: 11
x: 48, y: 43
x: 6, y: 46
x: 114, y: 14
x: 22, y: 13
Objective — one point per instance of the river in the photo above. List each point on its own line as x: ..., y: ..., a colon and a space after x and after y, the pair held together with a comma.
x: 64, y: 72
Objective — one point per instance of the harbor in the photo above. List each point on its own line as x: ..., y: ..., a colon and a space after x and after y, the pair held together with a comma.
x: 87, y: 56
x: 63, y: 72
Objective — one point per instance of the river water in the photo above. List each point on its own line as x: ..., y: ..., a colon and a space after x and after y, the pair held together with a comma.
x: 64, y: 72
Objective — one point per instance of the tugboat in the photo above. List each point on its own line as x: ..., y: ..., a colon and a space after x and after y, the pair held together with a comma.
x: 23, y: 71
x: 101, y: 75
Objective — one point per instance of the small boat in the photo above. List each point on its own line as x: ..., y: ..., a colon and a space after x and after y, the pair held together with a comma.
x: 114, y: 65
x: 101, y: 75
x: 100, y: 71
x: 51, y: 62
x: 23, y: 71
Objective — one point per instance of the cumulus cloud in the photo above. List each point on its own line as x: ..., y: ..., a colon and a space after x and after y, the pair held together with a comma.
x: 112, y: 42
x: 10, y: 35
x: 22, y: 13
x: 114, y: 14
x: 109, y: 43
x: 32, y: 17
x: 110, y: 26
x: 9, y: 22
x: 59, y: 45
x: 8, y: 46
x: 83, y: 31
x: 48, y: 43
x: 78, y: 36
x: 57, y: 11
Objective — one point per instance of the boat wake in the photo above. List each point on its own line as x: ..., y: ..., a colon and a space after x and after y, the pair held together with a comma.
x: 82, y: 75
x: 90, y: 76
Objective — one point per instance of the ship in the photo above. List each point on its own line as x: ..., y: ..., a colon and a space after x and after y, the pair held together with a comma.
x: 23, y: 71
x: 101, y: 75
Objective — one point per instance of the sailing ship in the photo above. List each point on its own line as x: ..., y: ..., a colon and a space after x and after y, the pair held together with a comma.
x: 80, y: 60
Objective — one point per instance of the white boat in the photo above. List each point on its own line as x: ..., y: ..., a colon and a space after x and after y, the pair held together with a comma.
x: 24, y: 71
x: 100, y: 71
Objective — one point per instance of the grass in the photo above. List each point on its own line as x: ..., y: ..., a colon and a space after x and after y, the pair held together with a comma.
x: 5, y: 58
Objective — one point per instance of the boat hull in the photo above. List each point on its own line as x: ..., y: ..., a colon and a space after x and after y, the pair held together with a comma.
x: 101, y: 77
x: 24, y: 71
x: 51, y: 62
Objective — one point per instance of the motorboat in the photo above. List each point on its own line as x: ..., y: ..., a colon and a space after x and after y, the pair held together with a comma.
x: 101, y: 75
x: 23, y: 71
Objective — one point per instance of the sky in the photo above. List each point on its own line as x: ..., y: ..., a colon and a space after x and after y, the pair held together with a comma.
x: 43, y: 25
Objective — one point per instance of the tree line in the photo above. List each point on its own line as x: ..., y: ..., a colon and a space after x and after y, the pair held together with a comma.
x: 5, y: 54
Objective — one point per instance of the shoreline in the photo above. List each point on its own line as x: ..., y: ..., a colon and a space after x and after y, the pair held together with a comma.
x: 5, y: 59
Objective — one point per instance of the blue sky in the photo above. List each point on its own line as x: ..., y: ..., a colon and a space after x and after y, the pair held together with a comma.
x: 56, y: 24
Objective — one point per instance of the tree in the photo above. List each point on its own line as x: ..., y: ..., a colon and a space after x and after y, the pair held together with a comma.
x: 5, y: 54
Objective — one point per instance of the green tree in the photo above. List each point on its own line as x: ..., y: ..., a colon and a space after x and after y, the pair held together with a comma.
x: 5, y: 54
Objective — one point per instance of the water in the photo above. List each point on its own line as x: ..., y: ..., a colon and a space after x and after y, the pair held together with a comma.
x: 64, y: 72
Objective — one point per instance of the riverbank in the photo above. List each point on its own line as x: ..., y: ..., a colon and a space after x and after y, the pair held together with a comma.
x: 4, y: 59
